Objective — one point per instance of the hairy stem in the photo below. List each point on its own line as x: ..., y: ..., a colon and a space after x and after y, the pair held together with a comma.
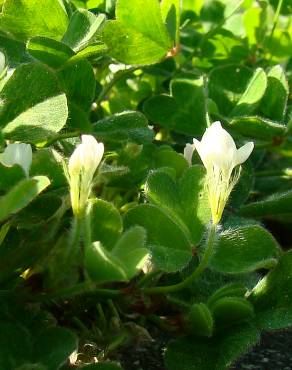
x: 118, y: 76
x: 197, y: 272
x: 62, y: 136
x: 78, y: 289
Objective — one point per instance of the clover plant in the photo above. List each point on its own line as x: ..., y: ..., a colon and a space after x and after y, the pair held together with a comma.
x: 145, y: 179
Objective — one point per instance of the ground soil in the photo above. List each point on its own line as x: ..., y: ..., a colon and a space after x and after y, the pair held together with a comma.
x: 273, y: 353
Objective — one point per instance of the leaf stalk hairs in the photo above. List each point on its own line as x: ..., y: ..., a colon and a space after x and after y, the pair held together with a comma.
x: 222, y: 161
x: 81, y: 168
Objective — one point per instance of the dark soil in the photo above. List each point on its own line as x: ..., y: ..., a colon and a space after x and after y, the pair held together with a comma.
x: 148, y: 356
x: 273, y: 353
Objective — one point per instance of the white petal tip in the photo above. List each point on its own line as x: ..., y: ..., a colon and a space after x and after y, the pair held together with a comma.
x: 244, y: 152
x: 188, y: 153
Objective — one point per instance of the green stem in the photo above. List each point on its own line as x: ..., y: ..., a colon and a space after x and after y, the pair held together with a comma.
x: 160, y: 323
x: 87, y: 225
x: 198, y: 271
x: 214, y: 30
x: 102, y: 317
x: 275, y: 20
x: 148, y: 278
x: 118, y: 76
x: 80, y: 325
x: 75, y: 236
x: 117, y: 342
x: 206, y: 96
x: 65, y: 135
x: 79, y: 289
x: 113, y: 309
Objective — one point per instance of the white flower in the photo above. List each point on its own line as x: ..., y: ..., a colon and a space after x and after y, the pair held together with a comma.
x: 220, y: 157
x: 82, y: 166
x: 18, y: 153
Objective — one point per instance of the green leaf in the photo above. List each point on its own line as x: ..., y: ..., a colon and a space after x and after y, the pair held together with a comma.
x: 243, y: 187
x: 272, y: 296
x: 138, y: 36
x: 229, y: 290
x: 257, y: 127
x: 82, y: 29
x: 231, y: 8
x: 194, y: 201
x: 15, y: 345
x: 245, y: 249
x: 279, y: 45
x: 228, y: 311
x: 185, y: 202
x: 101, y: 265
x: 79, y: 83
x: 21, y: 195
x: 226, y: 86
x: 48, y: 51
x: 91, y: 51
x: 3, y: 64
x: 199, y: 320
x: 170, y: 10
x: 78, y: 119
x: 184, y: 111
x: 128, y: 46
x: 274, y: 102
x: 29, y: 18
x: 162, y: 190
x: 148, y: 21
x: 126, y: 258
x: 285, y: 9
x: 252, y: 95
x: 125, y: 126
x: 274, y: 318
x: 212, y: 11
x: 275, y: 204
x: 210, y: 354
x: 53, y: 347
x: 10, y: 176
x: 48, y: 162
x: 106, y: 223
x: 233, y: 344
x: 252, y: 19
x: 168, y: 157
x: 130, y: 250
x: 190, y: 354
x: 170, y: 247
x: 38, y: 212
x: 135, y: 159
x: 36, y: 116
x: 15, y: 50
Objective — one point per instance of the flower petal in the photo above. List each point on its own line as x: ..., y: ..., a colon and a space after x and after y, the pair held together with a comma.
x: 199, y: 148
x: 188, y: 152
x: 94, y: 150
x: 218, y: 147
x: 18, y: 153
x: 217, y: 138
x: 243, y: 153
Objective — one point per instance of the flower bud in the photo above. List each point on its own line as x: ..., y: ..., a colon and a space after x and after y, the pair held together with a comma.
x: 82, y: 166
